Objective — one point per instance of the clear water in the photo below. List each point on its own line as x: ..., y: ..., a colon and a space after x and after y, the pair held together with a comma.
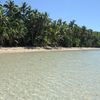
x: 71, y: 75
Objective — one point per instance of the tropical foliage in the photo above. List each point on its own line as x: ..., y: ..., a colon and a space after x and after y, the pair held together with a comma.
x: 22, y: 26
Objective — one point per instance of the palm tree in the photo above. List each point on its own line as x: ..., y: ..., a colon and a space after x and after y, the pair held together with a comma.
x: 11, y: 8
x: 25, y: 11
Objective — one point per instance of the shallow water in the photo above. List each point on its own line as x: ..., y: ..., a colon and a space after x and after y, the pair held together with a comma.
x: 70, y: 75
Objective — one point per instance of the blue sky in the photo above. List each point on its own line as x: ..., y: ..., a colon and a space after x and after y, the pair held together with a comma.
x: 85, y: 12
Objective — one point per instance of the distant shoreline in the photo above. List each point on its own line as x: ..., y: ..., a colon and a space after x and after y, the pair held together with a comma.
x: 41, y: 49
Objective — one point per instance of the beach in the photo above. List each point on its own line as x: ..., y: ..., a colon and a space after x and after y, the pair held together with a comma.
x: 41, y: 49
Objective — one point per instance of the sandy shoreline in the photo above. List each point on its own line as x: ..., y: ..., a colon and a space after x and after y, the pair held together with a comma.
x: 40, y: 49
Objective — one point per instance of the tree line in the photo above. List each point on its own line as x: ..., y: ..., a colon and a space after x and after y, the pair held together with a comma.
x: 23, y: 26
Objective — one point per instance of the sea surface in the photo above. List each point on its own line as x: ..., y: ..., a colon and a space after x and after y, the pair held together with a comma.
x: 68, y: 75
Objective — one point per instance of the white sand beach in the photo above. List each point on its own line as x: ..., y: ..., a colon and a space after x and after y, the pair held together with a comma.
x: 41, y: 49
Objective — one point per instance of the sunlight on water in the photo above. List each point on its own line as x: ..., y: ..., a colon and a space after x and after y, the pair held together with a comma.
x: 71, y: 75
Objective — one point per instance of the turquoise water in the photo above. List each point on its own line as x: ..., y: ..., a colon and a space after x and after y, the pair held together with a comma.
x: 70, y: 75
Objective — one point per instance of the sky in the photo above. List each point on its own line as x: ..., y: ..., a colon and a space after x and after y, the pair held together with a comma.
x: 85, y: 12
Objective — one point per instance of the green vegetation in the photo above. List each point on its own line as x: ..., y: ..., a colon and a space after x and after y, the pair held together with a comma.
x: 22, y: 26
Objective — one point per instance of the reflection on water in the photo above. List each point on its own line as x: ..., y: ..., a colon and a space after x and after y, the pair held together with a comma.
x: 71, y: 75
